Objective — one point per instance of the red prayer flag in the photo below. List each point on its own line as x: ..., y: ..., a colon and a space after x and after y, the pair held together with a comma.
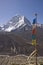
x: 34, y: 31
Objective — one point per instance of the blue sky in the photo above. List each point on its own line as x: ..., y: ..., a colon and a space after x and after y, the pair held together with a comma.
x: 10, y: 8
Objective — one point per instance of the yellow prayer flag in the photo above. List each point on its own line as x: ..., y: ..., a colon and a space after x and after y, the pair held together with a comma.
x: 33, y: 42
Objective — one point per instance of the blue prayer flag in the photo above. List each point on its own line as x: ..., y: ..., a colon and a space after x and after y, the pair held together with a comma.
x: 33, y: 37
x: 34, y: 21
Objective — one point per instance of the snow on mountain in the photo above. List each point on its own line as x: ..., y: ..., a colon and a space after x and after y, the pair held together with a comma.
x: 17, y: 22
x: 1, y: 28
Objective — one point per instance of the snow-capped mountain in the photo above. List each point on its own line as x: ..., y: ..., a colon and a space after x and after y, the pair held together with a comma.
x: 17, y: 22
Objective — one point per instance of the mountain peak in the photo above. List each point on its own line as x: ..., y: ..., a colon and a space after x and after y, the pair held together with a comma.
x: 17, y: 22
